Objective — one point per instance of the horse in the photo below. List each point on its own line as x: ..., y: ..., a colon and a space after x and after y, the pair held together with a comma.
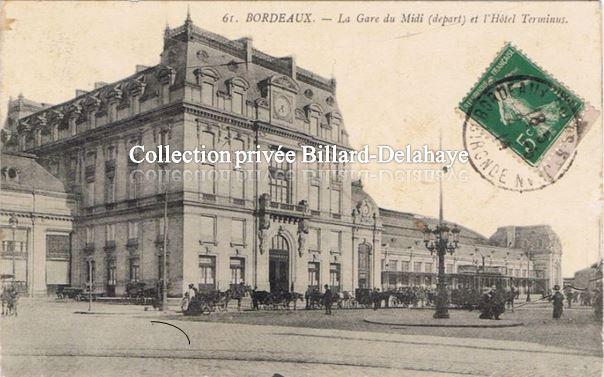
x: 290, y: 297
x: 344, y: 299
x: 238, y: 292
x: 259, y: 298
x: 314, y: 299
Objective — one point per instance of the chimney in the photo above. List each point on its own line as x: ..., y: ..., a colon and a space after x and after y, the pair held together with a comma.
x: 99, y: 84
x: 291, y: 69
x: 80, y: 92
x: 247, y: 43
x: 140, y: 67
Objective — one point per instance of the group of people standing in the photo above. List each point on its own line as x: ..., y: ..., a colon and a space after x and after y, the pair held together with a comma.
x: 492, y: 303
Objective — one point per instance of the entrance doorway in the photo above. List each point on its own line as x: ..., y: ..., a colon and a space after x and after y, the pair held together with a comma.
x: 278, y: 264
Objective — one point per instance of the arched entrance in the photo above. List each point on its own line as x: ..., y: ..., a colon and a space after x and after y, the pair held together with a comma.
x: 278, y: 264
x: 364, y: 270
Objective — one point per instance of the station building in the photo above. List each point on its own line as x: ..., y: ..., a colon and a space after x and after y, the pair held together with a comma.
x: 36, y: 222
x: 270, y: 225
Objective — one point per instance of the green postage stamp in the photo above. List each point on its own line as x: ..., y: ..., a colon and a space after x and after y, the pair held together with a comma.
x: 524, y: 110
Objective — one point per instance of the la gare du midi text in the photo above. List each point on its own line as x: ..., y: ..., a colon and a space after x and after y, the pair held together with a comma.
x: 405, y: 18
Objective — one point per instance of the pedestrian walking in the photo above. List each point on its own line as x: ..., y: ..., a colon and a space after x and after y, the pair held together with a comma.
x: 558, y: 302
x: 327, y: 300
x: 377, y: 302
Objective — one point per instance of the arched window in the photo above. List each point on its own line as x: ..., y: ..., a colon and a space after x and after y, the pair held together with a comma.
x: 279, y: 243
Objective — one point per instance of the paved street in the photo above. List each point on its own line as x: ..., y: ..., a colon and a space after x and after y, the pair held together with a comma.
x: 49, y: 339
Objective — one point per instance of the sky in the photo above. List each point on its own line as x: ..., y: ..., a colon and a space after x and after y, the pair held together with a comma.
x: 397, y: 84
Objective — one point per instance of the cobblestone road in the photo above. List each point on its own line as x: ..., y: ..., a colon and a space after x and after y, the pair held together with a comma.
x: 49, y: 339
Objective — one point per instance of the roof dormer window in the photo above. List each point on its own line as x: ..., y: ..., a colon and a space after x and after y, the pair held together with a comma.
x: 237, y: 89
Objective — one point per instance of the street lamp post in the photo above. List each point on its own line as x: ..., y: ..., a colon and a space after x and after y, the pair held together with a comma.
x: 437, y: 240
x: 528, y: 276
x: 90, y: 279
x: 164, y: 285
x: 13, y: 222
x: 165, y: 179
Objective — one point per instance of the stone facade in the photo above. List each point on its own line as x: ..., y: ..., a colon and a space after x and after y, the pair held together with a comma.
x: 273, y: 226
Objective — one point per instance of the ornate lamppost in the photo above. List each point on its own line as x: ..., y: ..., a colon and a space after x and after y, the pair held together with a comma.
x: 441, y: 240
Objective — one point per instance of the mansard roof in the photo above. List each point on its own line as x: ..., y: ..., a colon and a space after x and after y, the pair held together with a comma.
x: 21, y: 172
x: 189, y: 52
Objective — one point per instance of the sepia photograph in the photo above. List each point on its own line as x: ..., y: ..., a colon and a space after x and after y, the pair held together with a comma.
x: 301, y: 188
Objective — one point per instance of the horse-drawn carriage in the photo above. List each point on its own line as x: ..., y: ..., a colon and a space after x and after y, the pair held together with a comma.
x: 69, y: 292
x: 138, y: 293
x: 205, y: 302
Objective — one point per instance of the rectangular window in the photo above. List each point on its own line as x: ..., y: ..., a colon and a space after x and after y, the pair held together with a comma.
x: 405, y: 266
x: 237, y: 177
x: 383, y: 265
x: 132, y: 230
x: 207, y: 177
x: 314, y: 239
x: 336, y: 241
x: 207, y: 272
x: 237, y: 184
x: 207, y: 93
x: 90, y: 194
x: 110, y: 232
x: 335, y: 132
x: 449, y: 268
x: 238, y: 232
x: 281, y: 181
x: 91, y: 159
x: 134, y: 269
x: 89, y: 235
x: 334, y: 277
x: 111, y: 272
x: 208, y: 229
x: 314, y: 270
x: 428, y: 267
x: 237, y: 266
x: 314, y: 126
x: 134, y: 181
x: 313, y: 197
x: 393, y: 265
x: 237, y: 103
x: 111, y: 153
x: 417, y: 267
x: 109, y: 189
x: 159, y: 228
x: 336, y: 205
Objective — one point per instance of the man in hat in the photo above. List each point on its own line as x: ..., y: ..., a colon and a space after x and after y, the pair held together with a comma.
x: 327, y: 300
x: 558, y: 302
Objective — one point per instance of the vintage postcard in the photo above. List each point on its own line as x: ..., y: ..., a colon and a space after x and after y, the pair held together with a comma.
x: 289, y: 189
